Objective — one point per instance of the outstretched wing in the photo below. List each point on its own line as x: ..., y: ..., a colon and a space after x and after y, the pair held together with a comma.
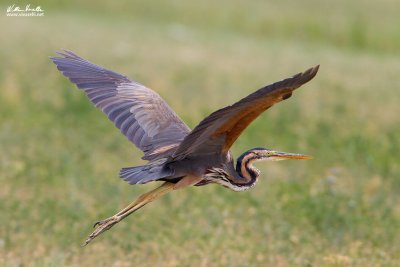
x: 140, y: 113
x: 217, y: 132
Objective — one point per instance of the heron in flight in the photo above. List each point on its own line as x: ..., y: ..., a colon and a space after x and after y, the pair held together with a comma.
x: 176, y: 155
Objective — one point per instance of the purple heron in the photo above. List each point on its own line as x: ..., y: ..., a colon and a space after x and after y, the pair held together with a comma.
x: 176, y: 155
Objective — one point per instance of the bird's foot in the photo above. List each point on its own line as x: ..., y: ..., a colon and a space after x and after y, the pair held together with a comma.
x: 104, y: 225
x: 101, y: 227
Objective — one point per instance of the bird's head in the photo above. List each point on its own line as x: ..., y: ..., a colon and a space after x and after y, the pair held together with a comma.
x: 244, y: 162
x: 246, y: 170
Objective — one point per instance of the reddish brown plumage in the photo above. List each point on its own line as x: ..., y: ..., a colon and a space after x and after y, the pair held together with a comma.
x: 228, y: 123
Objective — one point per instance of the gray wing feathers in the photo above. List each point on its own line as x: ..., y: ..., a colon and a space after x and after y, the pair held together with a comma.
x: 140, y: 113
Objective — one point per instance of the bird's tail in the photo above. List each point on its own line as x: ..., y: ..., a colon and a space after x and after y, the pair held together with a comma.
x: 146, y: 173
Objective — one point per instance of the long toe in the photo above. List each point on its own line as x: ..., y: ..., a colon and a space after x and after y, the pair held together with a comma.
x: 101, y: 227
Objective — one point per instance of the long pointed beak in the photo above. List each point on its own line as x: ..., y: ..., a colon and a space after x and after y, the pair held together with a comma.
x: 283, y: 155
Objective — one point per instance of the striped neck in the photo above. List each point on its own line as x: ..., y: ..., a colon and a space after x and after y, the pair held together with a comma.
x: 248, y: 174
x: 242, y: 179
x: 245, y: 176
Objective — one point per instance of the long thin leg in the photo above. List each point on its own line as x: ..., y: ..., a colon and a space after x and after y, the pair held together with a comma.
x: 148, y: 197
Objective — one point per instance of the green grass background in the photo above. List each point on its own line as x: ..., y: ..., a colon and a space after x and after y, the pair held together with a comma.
x: 60, y: 157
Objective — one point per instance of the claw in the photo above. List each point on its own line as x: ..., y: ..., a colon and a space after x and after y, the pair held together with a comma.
x: 102, y: 226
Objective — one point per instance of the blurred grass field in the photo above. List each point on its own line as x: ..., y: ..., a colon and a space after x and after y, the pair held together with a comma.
x: 60, y: 156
